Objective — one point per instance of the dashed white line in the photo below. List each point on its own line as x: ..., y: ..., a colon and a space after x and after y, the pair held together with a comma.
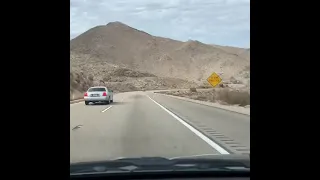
x: 195, y: 131
x: 106, y: 109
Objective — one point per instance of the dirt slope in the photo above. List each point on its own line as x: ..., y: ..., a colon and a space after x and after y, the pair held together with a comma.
x: 104, y: 50
x: 119, y: 44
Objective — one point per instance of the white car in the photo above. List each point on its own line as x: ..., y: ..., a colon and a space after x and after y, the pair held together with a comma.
x: 98, y: 94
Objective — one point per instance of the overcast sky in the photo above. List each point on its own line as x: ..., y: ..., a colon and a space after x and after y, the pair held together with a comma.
x: 221, y: 22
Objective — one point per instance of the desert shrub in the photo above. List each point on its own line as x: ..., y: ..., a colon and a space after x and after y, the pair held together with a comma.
x: 193, y: 90
x: 234, y: 97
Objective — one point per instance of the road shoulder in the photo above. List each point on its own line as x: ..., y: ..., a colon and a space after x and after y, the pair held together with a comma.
x: 236, y: 109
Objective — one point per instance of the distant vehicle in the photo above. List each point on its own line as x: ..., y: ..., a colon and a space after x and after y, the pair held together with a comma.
x: 98, y: 94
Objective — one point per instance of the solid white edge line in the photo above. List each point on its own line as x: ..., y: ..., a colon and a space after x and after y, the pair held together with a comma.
x: 106, y: 108
x: 198, y: 133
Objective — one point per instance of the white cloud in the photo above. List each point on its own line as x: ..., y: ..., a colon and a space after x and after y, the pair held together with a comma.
x: 222, y: 22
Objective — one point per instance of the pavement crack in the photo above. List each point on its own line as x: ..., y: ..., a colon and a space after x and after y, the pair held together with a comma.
x: 77, y: 127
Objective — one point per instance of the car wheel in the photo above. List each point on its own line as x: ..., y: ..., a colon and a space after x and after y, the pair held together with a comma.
x: 107, y: 102
x: 86, y: 103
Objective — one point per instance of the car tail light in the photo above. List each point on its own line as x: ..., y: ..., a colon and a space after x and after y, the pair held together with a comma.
x: 86, y: 94
x: 104, y: 94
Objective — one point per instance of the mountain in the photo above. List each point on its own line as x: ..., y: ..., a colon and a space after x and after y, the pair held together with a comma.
x: 116, y: 45
x: 244, y: 53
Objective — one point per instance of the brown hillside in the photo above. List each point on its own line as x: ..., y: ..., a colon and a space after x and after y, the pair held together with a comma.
x: 104, y: 51
x: 117, y: 43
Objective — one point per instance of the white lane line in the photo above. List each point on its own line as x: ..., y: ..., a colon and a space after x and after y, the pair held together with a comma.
x: 198, y: 133
x: 106, y: 108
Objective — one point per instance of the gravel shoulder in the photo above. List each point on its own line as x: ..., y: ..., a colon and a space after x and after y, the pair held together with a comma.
x: 226, y: 99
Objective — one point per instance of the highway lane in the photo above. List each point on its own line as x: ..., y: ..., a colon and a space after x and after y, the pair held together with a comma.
x: 231, y: 130
x: 135, y: 126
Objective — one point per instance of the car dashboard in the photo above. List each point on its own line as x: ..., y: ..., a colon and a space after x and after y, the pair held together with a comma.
x: 167, y: 176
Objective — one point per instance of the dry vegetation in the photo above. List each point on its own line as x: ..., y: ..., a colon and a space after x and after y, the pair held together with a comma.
x: 123, y: 80
x: 222, y: 95
x: 79, y: 82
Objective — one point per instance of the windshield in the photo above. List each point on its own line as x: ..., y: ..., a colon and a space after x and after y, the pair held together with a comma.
x: 177, y: 74
x: 96, y: 90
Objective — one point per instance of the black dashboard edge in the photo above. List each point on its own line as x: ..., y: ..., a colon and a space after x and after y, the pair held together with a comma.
x: 164, y: 175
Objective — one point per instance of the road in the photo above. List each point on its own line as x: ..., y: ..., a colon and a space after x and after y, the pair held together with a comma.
x: 141, y: 124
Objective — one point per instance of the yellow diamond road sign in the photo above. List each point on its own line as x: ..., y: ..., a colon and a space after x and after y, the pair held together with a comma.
x: 214, y: 79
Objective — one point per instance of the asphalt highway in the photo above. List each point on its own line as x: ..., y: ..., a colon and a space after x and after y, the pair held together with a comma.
x: 145, y: 124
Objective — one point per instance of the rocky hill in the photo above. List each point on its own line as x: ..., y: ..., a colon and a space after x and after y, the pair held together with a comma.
x: 103, y: 53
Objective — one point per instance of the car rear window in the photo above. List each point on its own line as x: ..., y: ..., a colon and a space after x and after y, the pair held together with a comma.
x: 96, y: 89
